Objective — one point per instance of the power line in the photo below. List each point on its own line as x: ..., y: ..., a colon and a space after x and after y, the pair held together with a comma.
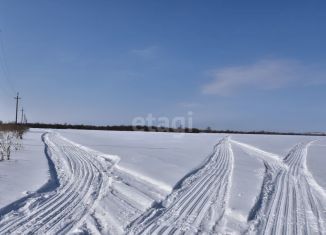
x: 5, y: 90
x: 7, y: 78
x: 17, y: 98
x: 22, y: 117
x: 25, y: 118
x: 4, y: 65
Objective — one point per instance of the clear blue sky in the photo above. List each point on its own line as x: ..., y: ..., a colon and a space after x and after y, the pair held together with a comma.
x: 235, y: 64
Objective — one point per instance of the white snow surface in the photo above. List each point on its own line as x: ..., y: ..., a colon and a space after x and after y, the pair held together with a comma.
x: 110, y: 182
x: 26, y: 172
x: 316, y: 161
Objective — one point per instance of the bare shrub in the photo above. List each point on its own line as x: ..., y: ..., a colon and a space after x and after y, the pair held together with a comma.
x: 10, y: 136
x: 18, y: 130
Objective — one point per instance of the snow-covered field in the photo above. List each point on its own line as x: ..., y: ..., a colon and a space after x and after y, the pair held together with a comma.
x: 26, y: 171
x: 103, y: 182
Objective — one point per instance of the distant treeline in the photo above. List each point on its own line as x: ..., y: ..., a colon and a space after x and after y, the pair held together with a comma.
x: 162, y: 129
x: 113, y: 128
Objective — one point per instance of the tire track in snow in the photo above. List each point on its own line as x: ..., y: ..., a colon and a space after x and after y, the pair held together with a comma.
x: 58, y: 211
x: 290, y: 201
x: 199, y: 204
x: 84, y: 178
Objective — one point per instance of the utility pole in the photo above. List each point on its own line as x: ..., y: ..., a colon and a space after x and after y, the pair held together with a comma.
x: 22, y: 118
x: 17, y: 98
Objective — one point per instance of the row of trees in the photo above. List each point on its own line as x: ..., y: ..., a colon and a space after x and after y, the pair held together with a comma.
x: 113, y: 128
x: 10, y: 136
x: 162, y: 129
